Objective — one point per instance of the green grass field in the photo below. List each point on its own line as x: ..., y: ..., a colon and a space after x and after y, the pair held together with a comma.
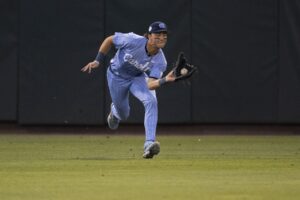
x: 88, y: 167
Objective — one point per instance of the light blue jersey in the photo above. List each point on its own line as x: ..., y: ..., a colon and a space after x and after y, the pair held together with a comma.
x: 127, y: 74
x: 131, y: 59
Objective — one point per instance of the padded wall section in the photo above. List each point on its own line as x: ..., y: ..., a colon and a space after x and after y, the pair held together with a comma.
x: 8, y: 59
x: 247, y: 53
x: 289, y: 96
x: 235, y: 45
x: 57, y: 39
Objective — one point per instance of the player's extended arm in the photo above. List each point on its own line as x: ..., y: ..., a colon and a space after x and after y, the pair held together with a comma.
x: 106, y: 45
x: 103, y: 50
x: 155, y: 83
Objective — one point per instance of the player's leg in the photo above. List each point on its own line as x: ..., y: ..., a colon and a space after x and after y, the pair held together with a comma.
x: 119, y: 92
x: 140, y: 90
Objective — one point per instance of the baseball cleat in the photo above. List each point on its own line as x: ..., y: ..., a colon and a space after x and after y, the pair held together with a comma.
x: 151, y: 149
x: 113, y: 122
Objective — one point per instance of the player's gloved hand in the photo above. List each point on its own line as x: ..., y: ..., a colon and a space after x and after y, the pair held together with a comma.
x: 183, y: 70
x: 90, y: 66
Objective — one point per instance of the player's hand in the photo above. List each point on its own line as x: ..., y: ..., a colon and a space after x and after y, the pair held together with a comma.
x: 170, y: 76
x: 90, y: 66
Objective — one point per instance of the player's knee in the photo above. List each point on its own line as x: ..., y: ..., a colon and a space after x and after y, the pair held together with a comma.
x: 151, y: 102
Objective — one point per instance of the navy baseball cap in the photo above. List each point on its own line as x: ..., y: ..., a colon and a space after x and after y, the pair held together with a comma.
x: 157, y: 27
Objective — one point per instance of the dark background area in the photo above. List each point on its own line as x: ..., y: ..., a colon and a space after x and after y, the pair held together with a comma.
x: 248, y: 54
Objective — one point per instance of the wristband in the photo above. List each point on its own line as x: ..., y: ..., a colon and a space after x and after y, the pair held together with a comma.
x: 100, y: 57
x: 162, y: 81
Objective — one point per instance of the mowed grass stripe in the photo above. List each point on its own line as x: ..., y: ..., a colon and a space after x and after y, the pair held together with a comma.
x: 111, y: 167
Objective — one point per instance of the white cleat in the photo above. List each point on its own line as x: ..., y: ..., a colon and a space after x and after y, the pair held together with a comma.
x: 151, y: 150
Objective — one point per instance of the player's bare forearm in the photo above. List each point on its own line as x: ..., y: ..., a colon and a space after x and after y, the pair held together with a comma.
x: 106, y: 45
x: 153, y: 83
x: 103, y: 50
x: 156, y: 83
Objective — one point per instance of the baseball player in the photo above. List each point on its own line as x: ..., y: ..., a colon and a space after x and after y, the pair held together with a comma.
x: 137, y: 67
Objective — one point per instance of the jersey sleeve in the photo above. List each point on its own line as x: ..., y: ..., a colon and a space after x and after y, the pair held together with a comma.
x: 120, y: 40
x: 156, y: 72
x: 159, y: 67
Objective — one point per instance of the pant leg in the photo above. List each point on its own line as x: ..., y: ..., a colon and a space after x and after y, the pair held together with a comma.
x: 140, y: 90
x: 119, y: 92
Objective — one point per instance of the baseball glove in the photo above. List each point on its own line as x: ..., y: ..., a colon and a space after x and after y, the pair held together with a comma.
x: 183, y: 70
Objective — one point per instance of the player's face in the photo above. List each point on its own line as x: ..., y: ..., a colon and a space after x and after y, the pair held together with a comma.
x: 159, y: 39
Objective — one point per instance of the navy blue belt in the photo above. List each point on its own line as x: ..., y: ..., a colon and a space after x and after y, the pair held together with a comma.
x: 117, y: 74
